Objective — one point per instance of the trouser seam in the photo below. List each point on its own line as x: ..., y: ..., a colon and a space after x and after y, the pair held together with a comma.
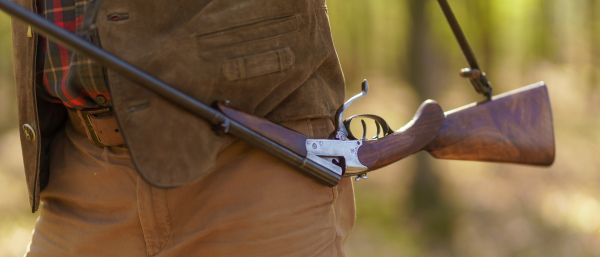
x: 335, y: 194
x: 154, y: 217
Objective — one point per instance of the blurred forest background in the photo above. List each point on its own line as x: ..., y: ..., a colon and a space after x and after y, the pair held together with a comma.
x: 422, y: 206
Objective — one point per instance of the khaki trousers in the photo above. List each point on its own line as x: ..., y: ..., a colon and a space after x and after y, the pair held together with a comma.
x: 251, y: 205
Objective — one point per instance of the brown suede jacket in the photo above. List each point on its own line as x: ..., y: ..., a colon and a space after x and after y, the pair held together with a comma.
x: 272, y: 58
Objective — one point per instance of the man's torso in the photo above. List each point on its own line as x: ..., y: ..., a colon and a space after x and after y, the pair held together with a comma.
x: 268, y: 57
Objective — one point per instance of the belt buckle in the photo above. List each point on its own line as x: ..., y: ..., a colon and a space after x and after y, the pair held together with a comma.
x: 85, y: 116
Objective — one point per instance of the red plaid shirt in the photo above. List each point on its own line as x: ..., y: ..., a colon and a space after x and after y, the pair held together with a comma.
x: 68, y: 77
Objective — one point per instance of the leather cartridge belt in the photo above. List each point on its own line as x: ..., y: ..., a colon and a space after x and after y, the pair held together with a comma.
x: 98, y: 125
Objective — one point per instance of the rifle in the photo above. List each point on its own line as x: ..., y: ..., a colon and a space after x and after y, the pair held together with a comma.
x: 517, y: 128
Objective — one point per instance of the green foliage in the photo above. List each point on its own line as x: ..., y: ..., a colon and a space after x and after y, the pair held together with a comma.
x: 7, y: 92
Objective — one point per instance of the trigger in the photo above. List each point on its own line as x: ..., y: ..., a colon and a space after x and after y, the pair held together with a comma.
x: 364, y: 125
x: 378, y: 130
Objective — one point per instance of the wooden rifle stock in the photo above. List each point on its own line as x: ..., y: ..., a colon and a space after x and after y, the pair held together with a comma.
x: 515, y: 127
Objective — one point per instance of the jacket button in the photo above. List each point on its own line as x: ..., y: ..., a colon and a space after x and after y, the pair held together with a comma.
x: 28, y: 132
x: 100, y: 99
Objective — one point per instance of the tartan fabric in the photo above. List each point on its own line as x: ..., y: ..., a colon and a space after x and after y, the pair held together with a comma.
x: 68, y: 77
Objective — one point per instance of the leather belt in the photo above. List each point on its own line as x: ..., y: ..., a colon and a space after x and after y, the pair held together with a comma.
x: 98, y: 125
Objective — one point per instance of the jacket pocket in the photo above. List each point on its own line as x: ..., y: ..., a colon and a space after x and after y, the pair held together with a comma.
x: 259, y: 64
x: 247, y: 33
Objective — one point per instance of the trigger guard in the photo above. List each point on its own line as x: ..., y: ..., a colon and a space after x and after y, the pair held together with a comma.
x: 378, y: 119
